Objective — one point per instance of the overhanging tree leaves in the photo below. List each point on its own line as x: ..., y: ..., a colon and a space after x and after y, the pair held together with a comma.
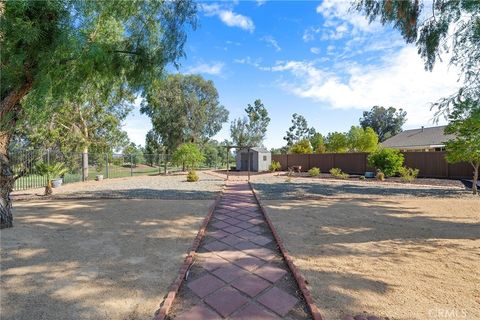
x: 465, y: 124
x: 386, y: 122
x: 184, y: 109
x: 299, y: 130
x: 250, y: 131
x: 447, y: 28
x: 49, y: 49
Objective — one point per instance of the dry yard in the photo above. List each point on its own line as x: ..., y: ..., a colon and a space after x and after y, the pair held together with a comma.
x: 402, y: 253
x: 95, y: 258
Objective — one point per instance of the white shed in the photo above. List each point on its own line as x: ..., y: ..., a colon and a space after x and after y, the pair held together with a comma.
x: 260, y: 159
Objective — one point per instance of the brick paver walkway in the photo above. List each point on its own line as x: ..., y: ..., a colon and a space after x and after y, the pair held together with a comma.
x: 238, y: 272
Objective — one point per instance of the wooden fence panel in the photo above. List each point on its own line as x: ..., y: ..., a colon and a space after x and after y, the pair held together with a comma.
x: 430, y: 164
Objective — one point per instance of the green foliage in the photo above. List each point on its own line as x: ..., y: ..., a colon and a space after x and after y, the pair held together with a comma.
x: 211, y: 153
x: 362, y: 140
x: 275, y: 166
x: 362, y: 178
x: 380, y: 176
x: 301, y: 147
x: 313, y: 172
x: 465, y: 124
x: 52, y: 171
x: 387, y: 160
x: 184, y: 108
x: 408, y: 174
x: 385, y: 122
x: 192, y: 176
x: 337, y: 173
x: 318, y: 143
x: 188, y: 155
x: 153, y: 148
x: 337, y: 142
x: 298, y: 131
x: 250, y: 131
x: 52, y: 50
x: 443, y: 27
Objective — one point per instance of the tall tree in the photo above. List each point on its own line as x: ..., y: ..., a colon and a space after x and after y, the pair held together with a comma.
x: 438, y: 28
x: 362, y: 140
x: 49, y: 49
x: 465, y: 124
x: 337, y: 142
x: 386, y: 122
x: 318, y: 143
x: 153, y: 147
x: 184, y: 108
x: 299, y: 130
x: 251, y: 130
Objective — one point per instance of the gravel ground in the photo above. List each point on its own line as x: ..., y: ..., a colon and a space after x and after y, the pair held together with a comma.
x: 143, y: 187
x: 278, y: 187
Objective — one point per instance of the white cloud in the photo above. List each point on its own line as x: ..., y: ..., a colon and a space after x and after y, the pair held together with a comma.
x: 213, y: 69
x: 261, y: 2
x: 249, y: 61
x: 228, y: 17
x: 315, y: 50
x: 309, y: 34
x: 398, y: 80
x: 272, y: 42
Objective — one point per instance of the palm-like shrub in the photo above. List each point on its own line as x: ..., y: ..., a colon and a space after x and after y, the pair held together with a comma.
x: 52, y: 171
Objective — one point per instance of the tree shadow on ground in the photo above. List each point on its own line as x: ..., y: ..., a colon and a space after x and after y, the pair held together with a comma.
x: 96, y: 258
x: 348, y: 247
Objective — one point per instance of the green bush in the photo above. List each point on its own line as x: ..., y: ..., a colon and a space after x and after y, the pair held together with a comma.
x: 188, y: 155
x: 361, y: 177
x: 192, y: 176
x: 314, y: 172
x: 337, y: 173
x: 301, y: 147
x: 380, y: 176
x: 275, y: 166
x: 388, y: 161
x: 408, y: 174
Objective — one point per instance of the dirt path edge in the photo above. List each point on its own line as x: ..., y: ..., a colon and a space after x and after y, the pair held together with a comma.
x: 301, y: 282
x: 167, y: 302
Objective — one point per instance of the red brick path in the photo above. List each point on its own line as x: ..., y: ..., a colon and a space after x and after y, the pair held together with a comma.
x: 238, y: 271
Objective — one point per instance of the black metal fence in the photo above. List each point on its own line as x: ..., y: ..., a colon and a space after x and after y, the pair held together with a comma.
x: 90, y: 166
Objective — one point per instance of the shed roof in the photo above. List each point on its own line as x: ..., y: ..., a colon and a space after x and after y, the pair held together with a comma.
x: 423, y: 137
x: 257, y: 149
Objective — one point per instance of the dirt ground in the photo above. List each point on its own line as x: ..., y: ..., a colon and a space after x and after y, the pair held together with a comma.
x: 396, y: 257
x: 94, y: 259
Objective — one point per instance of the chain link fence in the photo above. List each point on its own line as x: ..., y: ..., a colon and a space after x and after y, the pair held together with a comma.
x: 90, y: 166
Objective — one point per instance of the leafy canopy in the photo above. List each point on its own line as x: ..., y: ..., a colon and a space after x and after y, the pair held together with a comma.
x: 465, y: 124
x: 362, y: 140
x: 299, y: 130
x: 386, y: 122
x: 184, y: 108
x: 337, y: 142
x: 251, y: 130
x: 189, y: 155
x: 301, y: 147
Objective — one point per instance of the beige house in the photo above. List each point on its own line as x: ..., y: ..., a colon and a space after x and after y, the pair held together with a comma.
x: 423, y: 139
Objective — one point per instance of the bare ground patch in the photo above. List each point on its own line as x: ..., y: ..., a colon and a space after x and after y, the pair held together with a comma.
x: 396, y: 257
x: 94, y: 259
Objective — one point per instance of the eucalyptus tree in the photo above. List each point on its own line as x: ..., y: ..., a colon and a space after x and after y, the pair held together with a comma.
x: 51, y: 49
x: 184, y: 108
x: 250, y: 130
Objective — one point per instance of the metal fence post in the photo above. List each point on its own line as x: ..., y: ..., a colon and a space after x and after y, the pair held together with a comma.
x: 131, y: 165
x: 165, y: 163
x: 106, y: 165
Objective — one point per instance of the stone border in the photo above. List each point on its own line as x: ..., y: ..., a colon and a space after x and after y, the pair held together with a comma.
x: 189, y: 259
x: 301, y: 282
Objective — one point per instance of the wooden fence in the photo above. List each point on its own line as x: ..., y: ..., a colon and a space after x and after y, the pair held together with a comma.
x: 430, y: 164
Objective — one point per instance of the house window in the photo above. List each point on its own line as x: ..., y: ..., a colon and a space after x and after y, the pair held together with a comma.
x: 264, y: 158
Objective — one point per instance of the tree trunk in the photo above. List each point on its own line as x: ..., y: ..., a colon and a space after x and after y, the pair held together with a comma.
x: 7, y: 180
x: 85, y: 164
x: 475, y: 178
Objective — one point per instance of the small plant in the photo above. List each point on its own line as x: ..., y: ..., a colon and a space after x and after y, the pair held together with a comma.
x: 192, y: 176
x: 337, y: 173
x: 289, y: 175
x: 52, y: 171
x: 275, y: 166
x: 380, y: 176
x: 408, y: 174
x: 388, y: 161
x: 314, y: 172
x: 361, y: 177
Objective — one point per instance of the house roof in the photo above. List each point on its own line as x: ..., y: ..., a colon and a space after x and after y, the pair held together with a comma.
x: 423, y: 137
x: 257, y: 149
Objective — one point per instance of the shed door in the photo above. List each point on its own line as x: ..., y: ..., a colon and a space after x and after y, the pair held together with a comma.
x: 244, y: 160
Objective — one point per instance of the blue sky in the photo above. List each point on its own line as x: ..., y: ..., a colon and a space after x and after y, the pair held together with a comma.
x: 314, y: 58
